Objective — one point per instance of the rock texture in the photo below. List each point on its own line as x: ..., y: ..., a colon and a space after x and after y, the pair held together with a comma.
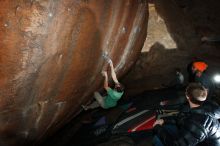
x: 51, y: 59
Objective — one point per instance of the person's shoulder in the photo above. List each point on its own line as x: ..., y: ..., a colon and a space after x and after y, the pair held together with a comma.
x: 212, y: 108
x: 109, y: 89
x: 209, y: 105
x: 206, y: 112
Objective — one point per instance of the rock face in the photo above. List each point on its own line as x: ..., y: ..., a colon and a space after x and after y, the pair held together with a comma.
x: 51, y: 59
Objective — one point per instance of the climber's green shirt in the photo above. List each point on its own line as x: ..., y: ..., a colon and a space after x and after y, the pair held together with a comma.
x: 112, y: 98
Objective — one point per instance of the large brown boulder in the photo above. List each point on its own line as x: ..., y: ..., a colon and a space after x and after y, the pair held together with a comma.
x: 51, y: 59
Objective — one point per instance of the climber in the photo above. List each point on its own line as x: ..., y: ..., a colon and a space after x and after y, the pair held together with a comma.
x: 113, y: 95
x: 199, y: 69
x: 200, y: 76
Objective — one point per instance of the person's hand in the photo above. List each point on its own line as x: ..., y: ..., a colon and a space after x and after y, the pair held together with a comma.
x: 104, y: 73
x: 109, y: 61
x: 158, y: 122
x: 111, y: 64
